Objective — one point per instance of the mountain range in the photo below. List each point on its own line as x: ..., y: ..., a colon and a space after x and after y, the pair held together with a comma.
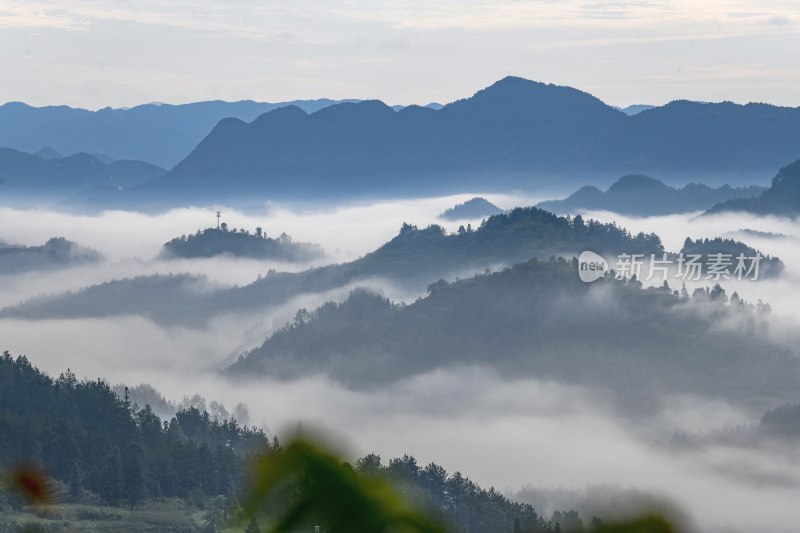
x: 410, y: 261
x: 26, y: 175
x: 162, y: 134
x: 645, y: 196
x: 514, y: 134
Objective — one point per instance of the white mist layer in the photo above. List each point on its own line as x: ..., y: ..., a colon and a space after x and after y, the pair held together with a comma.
x: 502, y: 433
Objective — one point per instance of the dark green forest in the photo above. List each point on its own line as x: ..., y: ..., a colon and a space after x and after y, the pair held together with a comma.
x: 97, y: 445
x: 239, y: 243
x: 412, y: 259
x: 769, y: 266
x: 537, y: 319
x: 91, y: 439
x: 57, y: 252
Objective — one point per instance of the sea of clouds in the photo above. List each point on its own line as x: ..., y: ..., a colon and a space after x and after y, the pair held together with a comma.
x: 562, y: 445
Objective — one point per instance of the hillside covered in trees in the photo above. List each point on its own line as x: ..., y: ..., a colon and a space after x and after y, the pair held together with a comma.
x: 412, y: 259
x: 211, y: 242
x: 55, y: 253
x: 538, y: 319
x: 768, y: 267
x: 102, y: 449
x: 89, y: 438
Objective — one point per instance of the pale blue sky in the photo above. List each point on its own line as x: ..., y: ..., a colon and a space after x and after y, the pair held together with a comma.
x: 120, y: 53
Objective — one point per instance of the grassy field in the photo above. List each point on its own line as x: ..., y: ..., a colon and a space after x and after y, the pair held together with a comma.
x: 154, y: 516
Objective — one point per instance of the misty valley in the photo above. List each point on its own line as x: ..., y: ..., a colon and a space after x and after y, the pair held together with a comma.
x: 327, y: 315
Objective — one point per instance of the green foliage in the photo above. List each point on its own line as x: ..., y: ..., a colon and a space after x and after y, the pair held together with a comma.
x: 252, y: 527
x: 212, y: 241
x: 306, y: 485
x: 55, y: 253
x: 770, y: 266
x: 538, y: 319
x: 92, y: 440
x: 330, y: 494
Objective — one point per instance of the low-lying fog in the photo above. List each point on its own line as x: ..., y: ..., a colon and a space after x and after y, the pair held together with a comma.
x: 503, y: 433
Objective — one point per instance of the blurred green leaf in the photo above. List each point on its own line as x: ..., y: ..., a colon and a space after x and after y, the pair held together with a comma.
x: 330, y: 494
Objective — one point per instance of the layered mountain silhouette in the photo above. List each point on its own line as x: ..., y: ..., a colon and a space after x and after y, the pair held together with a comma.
x: 635, y: 109
x: 24, y: 174
x: 55, y: 253
x: 47, y: 153
x: 514, y: 134
x: 160, y: 133
x: 474, y: 208
x: 538, y: 319
x: 411, y: 261
x: 782, y: 198
x: 646, y: 196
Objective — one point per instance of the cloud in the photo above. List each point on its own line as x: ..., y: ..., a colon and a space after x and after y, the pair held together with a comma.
x: 507, y: 433
x: 409, y: 52
x: 779, y: 20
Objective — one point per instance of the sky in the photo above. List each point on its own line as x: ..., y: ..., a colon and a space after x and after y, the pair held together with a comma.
x: 120, y: 53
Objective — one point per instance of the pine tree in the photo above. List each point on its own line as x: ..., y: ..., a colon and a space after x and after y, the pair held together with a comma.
x: 111, y: 484
x: 133, y: 472
x: 76, y: 481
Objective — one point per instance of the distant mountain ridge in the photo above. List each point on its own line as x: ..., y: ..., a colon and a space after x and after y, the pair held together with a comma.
x: 781, y: 199
x: 646, y: 196
x: 635, y: 108
x: 162, y: 134
x: 474, y: 208
x: 514, y: 134
x: 26, y: 175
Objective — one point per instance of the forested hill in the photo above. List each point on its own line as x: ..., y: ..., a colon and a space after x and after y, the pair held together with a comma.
x: 94, y: 441
x: 412, y: 259
x: 101, y: 449
x: 55, y: 253
x: 211, y: 242
x: 769, y: 266
x: 538, y: 319
x: 521, y: 234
